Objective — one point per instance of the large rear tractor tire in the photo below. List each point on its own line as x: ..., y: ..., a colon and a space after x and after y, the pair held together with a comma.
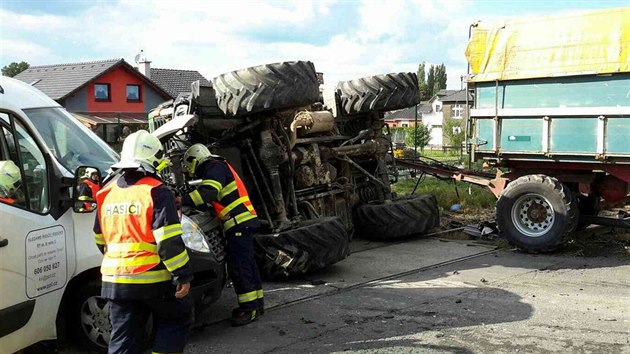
x: 537, y: 213
x: 314, y: 244
x: 379, y: 93
x: 267, y: 87
x: 399, y: 219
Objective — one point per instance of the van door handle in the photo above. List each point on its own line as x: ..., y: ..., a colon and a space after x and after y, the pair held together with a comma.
x: 3, y: 242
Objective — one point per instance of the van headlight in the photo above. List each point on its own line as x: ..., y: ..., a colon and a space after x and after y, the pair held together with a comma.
x: 193, y: 236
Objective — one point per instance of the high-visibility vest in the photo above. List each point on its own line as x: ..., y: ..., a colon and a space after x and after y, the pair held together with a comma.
x: 94, y: 187
x: 7, y: 200
x: 224, y: 212
x: 125, y: 216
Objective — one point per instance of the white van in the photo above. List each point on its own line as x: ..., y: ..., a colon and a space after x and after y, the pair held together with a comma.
x: 49, y: 263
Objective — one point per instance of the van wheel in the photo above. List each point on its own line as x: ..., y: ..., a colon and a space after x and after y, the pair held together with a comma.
x: 379, y: 93
x: 314, y: 244
x: 537, y: 213
x: 267, y: 87
x: 401, y: 218
x: 89, y: 317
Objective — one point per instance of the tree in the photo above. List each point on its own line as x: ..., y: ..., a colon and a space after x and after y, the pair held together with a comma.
x: 431, y: 82
x: 422, y: 136
x: 422, y: 84
x: 441, y: 78
x: 454, y: 132
x: 14, y: 68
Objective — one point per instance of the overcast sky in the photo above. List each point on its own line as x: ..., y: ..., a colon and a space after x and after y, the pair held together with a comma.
x: 344, y: 39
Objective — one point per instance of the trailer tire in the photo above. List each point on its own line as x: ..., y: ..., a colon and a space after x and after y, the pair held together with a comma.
x: 399, y: 219
x: 379, y: 93
x: 266, y: 87
x: 537, y: 213
x: 313, y: 245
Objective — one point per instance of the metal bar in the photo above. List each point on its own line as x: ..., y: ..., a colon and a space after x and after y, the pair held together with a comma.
x: 535, y: 113
x: 545, y: 134
x: 369, y: 175
x: 261, y: 173
x: 601, y: 133
x: 262, y: 198
x: 600, y: 220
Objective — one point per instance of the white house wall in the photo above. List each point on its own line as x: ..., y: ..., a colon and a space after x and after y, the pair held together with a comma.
x: 434, y: 121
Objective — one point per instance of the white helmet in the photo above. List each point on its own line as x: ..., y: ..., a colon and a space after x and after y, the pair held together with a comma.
x: 142, y: 150
x: 89, y: 172
x: 9, y: 178
x: 195, y: 156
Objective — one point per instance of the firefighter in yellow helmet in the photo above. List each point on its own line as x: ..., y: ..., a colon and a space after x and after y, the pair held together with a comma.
x: 146, y: 268
x: 10, y: 181
x: 222, y: 189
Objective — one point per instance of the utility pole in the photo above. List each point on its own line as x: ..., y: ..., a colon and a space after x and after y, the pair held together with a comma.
x: 415, y: 134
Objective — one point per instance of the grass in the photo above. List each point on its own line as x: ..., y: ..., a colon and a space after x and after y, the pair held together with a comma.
x: 471, y: 197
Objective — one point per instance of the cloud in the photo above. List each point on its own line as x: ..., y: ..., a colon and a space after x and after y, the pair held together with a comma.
x: 345, y: 40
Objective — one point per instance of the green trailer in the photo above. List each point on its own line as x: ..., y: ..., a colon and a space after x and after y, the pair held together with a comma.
x: 552, y: 113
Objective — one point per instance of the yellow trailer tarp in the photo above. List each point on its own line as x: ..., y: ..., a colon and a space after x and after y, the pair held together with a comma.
x: 595, y: 42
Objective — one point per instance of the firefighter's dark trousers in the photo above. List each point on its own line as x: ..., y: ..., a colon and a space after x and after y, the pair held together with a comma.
x: 241, y: 263
x: 171, y: 320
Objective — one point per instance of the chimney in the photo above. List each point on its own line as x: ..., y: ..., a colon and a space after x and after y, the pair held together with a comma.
x: 144, y: 65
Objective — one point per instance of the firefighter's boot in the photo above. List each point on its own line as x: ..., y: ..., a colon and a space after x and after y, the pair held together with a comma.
x: 242, y: 317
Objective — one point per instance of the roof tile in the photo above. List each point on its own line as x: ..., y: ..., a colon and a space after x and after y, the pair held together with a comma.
x: 175, y: 81
x: 59, y: 80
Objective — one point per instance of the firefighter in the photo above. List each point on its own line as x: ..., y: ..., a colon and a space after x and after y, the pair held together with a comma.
x: 222, y: 188
x: 146, y: 268
x: 10, y: 181
x: 89, y: 187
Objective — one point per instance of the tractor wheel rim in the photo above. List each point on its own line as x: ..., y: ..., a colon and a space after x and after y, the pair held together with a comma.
x: 95, y: 320
x: 533, y: 215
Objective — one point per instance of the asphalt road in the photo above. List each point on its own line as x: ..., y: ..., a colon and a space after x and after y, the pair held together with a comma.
x: 435, y: 296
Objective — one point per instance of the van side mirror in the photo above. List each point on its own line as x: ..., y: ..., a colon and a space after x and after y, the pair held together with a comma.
x: 87, y: 182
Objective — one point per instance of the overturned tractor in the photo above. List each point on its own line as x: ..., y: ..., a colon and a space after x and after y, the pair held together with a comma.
x: 315, y: 178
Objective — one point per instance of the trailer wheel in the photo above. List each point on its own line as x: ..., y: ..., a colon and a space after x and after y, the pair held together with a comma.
x: 379, y: 93
x: 401, y: 218
x: 537, y: 213
x: 313, y: 245
x: 267, y: 87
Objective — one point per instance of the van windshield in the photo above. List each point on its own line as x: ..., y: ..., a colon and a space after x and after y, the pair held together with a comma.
x: 72, y: 143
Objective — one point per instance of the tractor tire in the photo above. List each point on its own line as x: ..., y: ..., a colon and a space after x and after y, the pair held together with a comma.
x: 537, y: 213
x: 399, y: 219
x: 314, y: 244
x: 379, y: 93
x: 266, y: 87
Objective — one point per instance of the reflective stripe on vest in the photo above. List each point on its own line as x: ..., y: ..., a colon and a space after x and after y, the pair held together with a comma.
x: 151, y: 276
x: 223, y: 212
x: 238, y: 219
x: 126, y: 216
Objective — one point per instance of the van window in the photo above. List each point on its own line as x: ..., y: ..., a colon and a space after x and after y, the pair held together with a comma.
x: 71, y: 142
x: 20, y: 147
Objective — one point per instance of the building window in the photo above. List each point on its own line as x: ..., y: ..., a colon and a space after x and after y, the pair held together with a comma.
x: 405, y: 125
x: 438, y: 107
x: 133, y: 93
x: 102, y: 92
x: 458, y: 111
